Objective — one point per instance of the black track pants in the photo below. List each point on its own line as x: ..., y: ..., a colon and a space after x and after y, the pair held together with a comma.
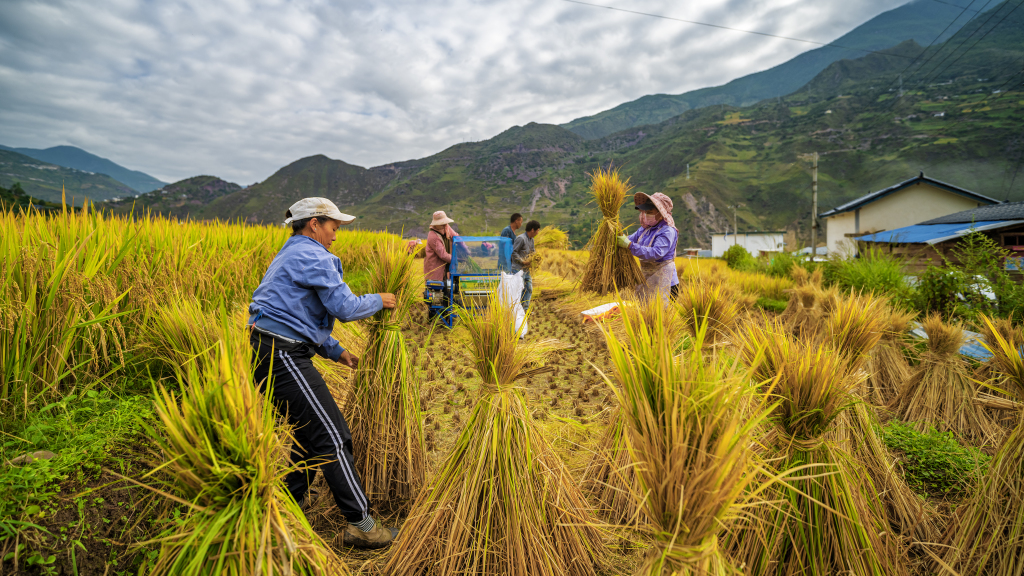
x: 322, y: 438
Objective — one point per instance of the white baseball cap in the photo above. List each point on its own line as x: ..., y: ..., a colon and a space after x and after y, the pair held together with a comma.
x: 310, y: 207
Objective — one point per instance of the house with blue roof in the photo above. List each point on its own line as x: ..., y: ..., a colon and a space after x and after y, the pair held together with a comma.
x: 912, y: 201
x: 927, y: 242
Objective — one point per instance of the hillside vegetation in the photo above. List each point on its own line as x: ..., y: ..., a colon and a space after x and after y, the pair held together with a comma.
x: 44, y: 180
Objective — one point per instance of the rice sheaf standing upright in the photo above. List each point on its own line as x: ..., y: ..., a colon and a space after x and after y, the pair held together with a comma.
x: 387, y: 434
x: 940, y: 393
x: 826, y: 517
x: 610, y: 267
x: 987, y: 537
x: 225, y: 459
x: 690, y: 422
x: 502, y: 503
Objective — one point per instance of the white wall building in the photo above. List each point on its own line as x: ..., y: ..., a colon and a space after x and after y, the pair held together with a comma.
x: 754, y: 242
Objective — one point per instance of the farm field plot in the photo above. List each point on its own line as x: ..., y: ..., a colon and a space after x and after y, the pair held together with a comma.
x: 749, y: 410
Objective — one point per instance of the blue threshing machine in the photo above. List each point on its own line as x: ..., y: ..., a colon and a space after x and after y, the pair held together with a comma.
x: 473, y: 274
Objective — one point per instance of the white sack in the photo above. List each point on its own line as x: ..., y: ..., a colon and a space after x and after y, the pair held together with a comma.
x: 510, y: 292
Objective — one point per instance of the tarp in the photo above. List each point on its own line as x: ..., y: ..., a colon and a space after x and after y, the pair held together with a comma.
x: 932, y: 233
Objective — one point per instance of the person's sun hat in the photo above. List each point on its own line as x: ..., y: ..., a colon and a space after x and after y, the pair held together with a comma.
x: 440, y: 219
x: 310, y: 207
x: 657, y: 200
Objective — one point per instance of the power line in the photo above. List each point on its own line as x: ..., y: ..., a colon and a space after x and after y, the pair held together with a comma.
x: 989, y: 31
x: 954, y: 5
x: 900, y: 75
x: 733, y: 29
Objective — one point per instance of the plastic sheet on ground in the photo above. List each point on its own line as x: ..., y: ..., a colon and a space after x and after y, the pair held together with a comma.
x: 510, y: 292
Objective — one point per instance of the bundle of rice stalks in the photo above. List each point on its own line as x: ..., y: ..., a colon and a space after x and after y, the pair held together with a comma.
x: 224, y: 459
x: 503, y: 502
x: 990, y: 328
x: 887, y: 367
x: 827, y: 519
x: 704, y: 303
x: 854, y: 328
x: 383, y: 401
x: 178, y: 331
x: 803, y: 311
x: 562, y: 263
x: 690, y: 427
x: 987, y: 537
x: 610, y: 477
x: 610, y: 268
x: 552, y: 238
x: 940, y: 392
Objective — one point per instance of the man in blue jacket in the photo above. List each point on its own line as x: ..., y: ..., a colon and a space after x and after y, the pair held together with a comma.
x: 291, y: 316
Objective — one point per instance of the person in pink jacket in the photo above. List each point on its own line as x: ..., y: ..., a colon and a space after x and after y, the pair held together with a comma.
x: 438, y: 253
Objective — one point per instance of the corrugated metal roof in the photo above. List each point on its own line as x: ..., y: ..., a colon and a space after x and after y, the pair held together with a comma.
x: 933, y: 233
x: 868, y: 198
x: 1005, y: 211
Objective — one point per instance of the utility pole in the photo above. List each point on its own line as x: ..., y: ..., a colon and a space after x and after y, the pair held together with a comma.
x: 901, y: 85
x: 814, y: 207
x: 687, y: 171
x: 735, y: 230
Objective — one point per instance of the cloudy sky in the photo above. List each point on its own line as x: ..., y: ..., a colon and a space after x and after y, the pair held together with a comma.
x: 239, y: 88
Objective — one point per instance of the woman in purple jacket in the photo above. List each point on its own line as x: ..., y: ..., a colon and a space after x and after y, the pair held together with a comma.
x: 654, y: 243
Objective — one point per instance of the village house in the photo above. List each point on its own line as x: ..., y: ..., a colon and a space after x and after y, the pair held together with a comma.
x: 757, y: 243
x: 904, y: 204
x: 928, y: 243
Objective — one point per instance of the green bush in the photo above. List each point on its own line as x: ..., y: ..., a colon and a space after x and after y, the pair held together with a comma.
x: 780, y: 264
x: 737, y: 258
x: 935, y: 463
x: 958, y: 288
x: 873, y: 271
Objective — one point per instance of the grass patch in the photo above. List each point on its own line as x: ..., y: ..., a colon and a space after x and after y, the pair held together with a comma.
x: 771, y: 305
x: 86, y: 432
x: 935, y: 463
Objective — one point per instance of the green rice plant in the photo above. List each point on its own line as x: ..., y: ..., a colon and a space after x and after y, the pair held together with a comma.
x: 987, y: 537
x: 502, y: 502
x: 224, y: 459
x: 690, y: 421
x: 610, y: 267
x: 383, y: 400
x: 59, y: 311
x: 179, y: 332
x: 828, y: 519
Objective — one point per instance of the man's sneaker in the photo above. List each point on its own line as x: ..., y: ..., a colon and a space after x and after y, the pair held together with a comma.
x: 377, y: 537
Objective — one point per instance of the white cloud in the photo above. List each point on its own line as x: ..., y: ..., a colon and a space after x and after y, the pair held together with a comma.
x: 238, y: 89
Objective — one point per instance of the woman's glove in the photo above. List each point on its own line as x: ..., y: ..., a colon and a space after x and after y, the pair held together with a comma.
x: 623, y: 241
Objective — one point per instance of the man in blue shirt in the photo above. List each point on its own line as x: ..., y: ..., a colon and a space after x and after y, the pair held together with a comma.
x: 510, y: 230
x: 291, y: 318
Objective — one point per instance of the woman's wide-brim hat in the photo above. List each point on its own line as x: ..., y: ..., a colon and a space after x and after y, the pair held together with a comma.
x: 657, y: 200
x: 440, y: 219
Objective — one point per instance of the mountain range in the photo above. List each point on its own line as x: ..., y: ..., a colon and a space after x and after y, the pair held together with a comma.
x: 924, y: 21
x: 952, y: 110
x: 78, y: 159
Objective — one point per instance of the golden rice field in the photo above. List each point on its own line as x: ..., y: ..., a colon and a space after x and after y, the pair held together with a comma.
x: 708, y: 437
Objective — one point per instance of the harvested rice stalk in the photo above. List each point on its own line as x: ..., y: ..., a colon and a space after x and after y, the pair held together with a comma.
x: 940, y: 392
x: 383, y: 401
x: 690, y: 428
x: 552, y: 238
x: 887, y: 367
x: 610, y: 267
x: 225, y: 459
x: 503, y: 502
x: 610, y: 478
x: 987, y: 536
x: 178, y: 331
x: 803, y: 311
x: 705, y: 303
x: 827, y: 519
